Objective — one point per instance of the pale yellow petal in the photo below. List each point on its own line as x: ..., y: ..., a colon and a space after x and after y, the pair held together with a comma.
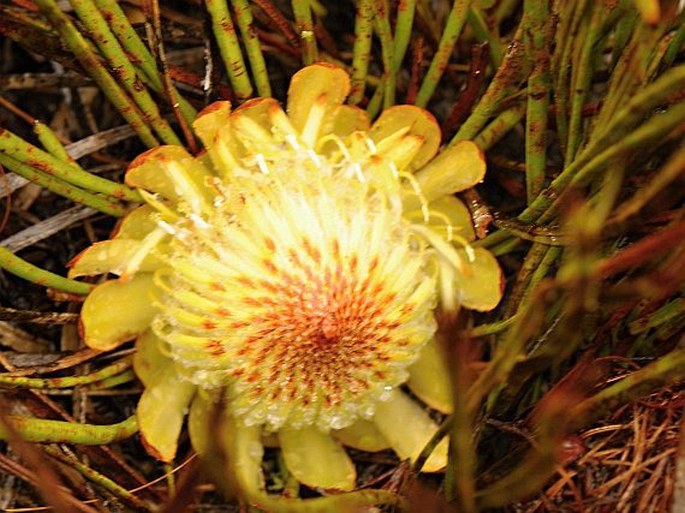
x: 151, y: 358
x: 315, y: 94
x: 408, y: 429
x: 174, y: 174
x: 213, y: 126
x: 348, y: 119
x: 362, y: 435
x: 457, y: 168
x: 429, y: 378
x: 449, y: 214
x: 244, y: 445
x: 137, y: 223
x: 115, y: 312
x: 160, y: 413
x: 199, y: 421
x: 110, y: 256
x: 480, y: 284
x: 414, y: 124
x: 261, y: 125
x: 316, y: 460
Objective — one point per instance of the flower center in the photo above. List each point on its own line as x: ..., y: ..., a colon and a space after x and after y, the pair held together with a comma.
x: 304, y: 293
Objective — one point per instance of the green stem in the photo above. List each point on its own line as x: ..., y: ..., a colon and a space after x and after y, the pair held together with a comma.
x: 374, y: 106
x: 305, y: 28
x: 671, y: 310
x: 67, y: 381
x: 139, y: 54
x: 676, y: 43
x: 48, y: 139
x: 453, y: 27
x: 120, y: 64
x: 672, y: 170
x: 382, y: 24
x: 57, y: 431
x: 583, y: 69
x: 581, y: 172
x: 229, y: 47
x: 114, y: 381
x: 96, y: 478
x: 92, y: 64
x: 252, y: 46
x: 513, y: 69
x: 633, y: 112
x: 476, y: 21
x: 500, y: 126
x: 361, y: 51
x: 104, y: 204
x: 492, y: 328
x: 536, y: 12
x: 405, y: 20
x: 569, y: 15
x: 15, y: 147
x: 19, y: 267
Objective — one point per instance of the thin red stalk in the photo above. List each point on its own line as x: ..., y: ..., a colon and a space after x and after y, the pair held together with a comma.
x: 467, y: 98
x: 416, y: 60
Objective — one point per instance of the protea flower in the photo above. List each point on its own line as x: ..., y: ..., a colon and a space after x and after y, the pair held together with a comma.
x: 294, y: 268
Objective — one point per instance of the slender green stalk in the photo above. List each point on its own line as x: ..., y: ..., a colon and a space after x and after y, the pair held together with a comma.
x: 476, y: 21
x: 454, y: 25
x: 120, y: 64
x: 672, y: 170
x: 500, y: 126
x: 139, y: 55
x: 374, y: 106
x: 624, y: 30
x: 642, y: 103
x: 492, y: 328
x: 104, y: 204
x: 48, y: 139
x: 584, y: 168
x: 651, y: 132
x: 510, y: 348
x: 569, y: 15
x: 629, y: 74
x: 92, y: 64
x: 583, y: 70
x: 19, y: 267
x: 114, y: 381
x: 531, y: 262
x: 67, y: 381
x: 96, y: 478
x: 15, y: 147
x: 229, y: 47
x: 361, y: 51
x: 252, y: 46
x: 403, y: 27
x: 506, y: 247
x: 513, y: 69
x: 305, y: 27
x: 382, y: 25
x: 536, y: 14
x: 57, y: 431
x: 677, y: 41
x: 671, y: 310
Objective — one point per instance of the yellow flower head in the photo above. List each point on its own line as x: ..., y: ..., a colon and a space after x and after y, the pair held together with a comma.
x: 296, y: 266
